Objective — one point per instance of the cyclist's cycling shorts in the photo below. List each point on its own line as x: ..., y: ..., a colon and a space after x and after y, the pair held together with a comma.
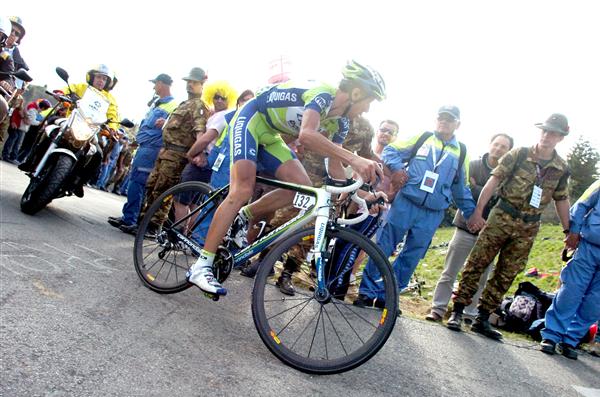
x: 251, y: 138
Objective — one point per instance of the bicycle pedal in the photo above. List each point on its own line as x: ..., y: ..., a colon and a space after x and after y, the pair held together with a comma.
x: 214, y: 297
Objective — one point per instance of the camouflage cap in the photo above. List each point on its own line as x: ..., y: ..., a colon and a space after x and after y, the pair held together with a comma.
x: 196, y: 74
x: 556, y: 123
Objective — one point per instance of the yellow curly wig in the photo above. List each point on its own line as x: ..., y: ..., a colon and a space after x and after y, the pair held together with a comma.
x: 222, y: 88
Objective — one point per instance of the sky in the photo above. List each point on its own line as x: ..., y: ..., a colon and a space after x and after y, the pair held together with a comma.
x: 507, y: 65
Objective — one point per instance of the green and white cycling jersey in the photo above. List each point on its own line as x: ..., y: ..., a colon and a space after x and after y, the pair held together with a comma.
x: 284, y: 104
x: 257, y: 127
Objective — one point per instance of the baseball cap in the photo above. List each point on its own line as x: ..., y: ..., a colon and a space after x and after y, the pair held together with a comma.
x: 163, y: 77
x: 451, y: 110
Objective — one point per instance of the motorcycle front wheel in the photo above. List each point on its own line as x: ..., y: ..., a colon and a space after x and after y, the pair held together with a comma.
x: 42, y: 190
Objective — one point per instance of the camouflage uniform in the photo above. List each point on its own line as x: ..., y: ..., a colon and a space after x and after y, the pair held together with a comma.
x: 179, y: 134
x: 358, y: 140
x: 512, y: 226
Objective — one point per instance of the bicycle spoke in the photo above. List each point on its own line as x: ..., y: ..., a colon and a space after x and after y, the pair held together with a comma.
x: 324, y: 335
x: 303, y: 331
x: 151, y: 252
x: 315, y: 333
x: 350, y: 325
x: 292, y: 319
x: 350, y: 307
x: 336, y: 333
x: 288, y: 309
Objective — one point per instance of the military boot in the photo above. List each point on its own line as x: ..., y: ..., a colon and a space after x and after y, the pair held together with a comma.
x: 482, y: 326
x: 284, y: 282
x: 455, y: 321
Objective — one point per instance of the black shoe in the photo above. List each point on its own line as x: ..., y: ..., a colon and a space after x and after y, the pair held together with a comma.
x: 547, y: 346
x: 483, y: 327
x: 78, y: 191
x: 250, y: 268
x: 115, y: 221
x: 284, y: 282
x: 129, y: 229
x: 567, y: 350
x: 365, y: 301
x: 455, y: 321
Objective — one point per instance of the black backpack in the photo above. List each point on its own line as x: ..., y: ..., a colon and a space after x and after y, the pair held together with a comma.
x: 528, y: 305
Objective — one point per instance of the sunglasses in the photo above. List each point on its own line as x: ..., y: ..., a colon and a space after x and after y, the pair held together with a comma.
x: 446, y: 117
x: 387, y: 131
x: 16, y: 33
x: 219, y: 98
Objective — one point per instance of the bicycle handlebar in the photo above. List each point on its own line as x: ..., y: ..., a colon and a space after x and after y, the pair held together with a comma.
x: 345, y: 189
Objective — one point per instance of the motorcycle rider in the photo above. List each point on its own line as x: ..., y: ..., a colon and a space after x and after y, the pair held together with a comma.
x: 103, y: 80
x: 13, y: 41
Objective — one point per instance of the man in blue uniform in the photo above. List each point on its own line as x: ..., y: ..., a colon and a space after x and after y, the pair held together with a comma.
x: 149, y: 139
x: 576, y: 306
x: 435, y: 178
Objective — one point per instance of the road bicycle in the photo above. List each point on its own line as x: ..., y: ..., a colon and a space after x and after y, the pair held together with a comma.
x: 318, y: 330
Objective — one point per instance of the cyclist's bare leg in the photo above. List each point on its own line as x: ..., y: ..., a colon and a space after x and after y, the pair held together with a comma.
x: 243, y: 178
x: 290, y: 171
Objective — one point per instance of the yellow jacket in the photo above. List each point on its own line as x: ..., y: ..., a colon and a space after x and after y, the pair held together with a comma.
x: 113, y: 111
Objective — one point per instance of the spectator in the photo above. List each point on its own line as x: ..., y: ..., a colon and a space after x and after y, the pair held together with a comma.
x: 14, y: 40
x: 185, y: 124
x: 388, y: 129
x: 123, y: 166
x: 576, y: 306
x: 110, y: 159
x: 463, y: 240
x: 149, y: 140
x: 434, y: 179
x: 14, y: 132
x: 528, y: 179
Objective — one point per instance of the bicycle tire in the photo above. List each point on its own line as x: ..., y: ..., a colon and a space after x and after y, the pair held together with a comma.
x: 163, y: 274
x: 270, y: 313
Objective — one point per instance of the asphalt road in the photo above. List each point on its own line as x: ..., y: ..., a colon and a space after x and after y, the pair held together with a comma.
x: 75, y: 320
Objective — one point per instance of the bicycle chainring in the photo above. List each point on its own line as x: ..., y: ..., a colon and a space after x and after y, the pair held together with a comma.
x: 223, y: 264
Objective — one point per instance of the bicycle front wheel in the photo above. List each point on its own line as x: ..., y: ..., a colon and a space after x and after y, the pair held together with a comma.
x: 161, y: 257
x: 330, y: 333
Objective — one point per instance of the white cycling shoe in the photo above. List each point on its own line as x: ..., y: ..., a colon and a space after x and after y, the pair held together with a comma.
x: 204, y: 279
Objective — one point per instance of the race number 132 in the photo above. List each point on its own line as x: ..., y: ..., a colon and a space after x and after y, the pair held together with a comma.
x: 303, y: 201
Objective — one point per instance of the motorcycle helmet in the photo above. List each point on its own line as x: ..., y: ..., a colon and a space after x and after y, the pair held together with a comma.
x: 365, y: 78
x: 5, y: 29
x: 18, y: 22
x: 103, y: 70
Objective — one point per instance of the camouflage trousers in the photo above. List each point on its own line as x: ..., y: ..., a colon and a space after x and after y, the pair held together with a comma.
x: 165, y: 175
x: 512, y: 239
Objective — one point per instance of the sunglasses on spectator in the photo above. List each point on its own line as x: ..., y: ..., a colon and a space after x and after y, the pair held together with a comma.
x: 219, y: 98
x: 387, y: 131
x: 16, y: 33
x: 446, y: 117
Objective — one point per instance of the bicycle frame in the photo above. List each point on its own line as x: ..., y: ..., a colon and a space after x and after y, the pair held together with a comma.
x: 320, y: 212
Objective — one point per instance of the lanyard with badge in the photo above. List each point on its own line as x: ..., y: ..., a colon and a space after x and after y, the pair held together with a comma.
x: 430, y: 178
x: 536, y: 196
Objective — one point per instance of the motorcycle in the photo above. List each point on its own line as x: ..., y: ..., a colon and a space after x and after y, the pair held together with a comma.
x: 64, y: 147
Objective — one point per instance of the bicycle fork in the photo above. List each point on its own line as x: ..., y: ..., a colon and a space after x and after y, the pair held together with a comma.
x: 322, y: 219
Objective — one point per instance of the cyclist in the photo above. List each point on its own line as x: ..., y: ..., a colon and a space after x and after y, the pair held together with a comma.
x: 259, y: 130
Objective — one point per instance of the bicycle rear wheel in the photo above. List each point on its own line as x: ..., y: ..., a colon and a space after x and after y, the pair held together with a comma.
x: 161, y: 257
x: 323, y: 335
